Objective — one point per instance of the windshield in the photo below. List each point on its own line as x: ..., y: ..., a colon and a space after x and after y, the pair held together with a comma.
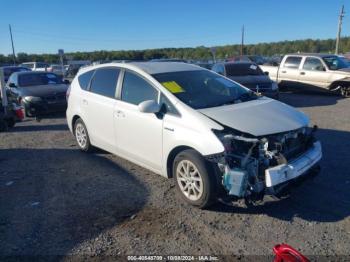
x: 334, y: 62
x: 238, y: 69
x: 203, y: 89
x: 38, y: 79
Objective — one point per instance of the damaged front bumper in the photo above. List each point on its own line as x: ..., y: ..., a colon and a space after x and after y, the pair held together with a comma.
x: 252, y: 167
x: 297, y: 167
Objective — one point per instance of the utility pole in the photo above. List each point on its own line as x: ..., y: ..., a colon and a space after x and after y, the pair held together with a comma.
x: 242, y: 43
x: 13, y: 48
x: 340, y: 22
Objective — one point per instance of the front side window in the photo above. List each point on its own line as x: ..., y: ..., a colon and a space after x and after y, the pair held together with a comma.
x: 292, y: 62
x: 136, y: 90
x: 37, y: 79
x: 104, y: 81
x: 313, y: 64
x: 169, y: 107
x: 203, y: 89
x: 84, y: 79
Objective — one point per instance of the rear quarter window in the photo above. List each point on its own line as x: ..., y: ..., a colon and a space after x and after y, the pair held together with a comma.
x: 292, y: 62
x: 84, y: 79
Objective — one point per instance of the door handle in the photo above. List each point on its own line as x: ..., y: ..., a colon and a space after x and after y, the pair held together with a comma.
x: 85, y: 102
x: 283, y: 72
x: 302, y: 73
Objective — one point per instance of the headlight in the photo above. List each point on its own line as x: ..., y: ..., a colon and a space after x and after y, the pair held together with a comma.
x: 274, y: 86
x: 32, y: 99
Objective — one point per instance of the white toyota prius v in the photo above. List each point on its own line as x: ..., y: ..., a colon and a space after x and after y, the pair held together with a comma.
x: 216, y: 138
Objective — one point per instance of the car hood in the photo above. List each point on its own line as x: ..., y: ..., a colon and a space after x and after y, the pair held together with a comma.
x: 43, y: 90
x: 263, y: 116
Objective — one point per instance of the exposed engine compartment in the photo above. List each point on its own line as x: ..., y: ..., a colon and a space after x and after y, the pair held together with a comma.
x: 245, y: 159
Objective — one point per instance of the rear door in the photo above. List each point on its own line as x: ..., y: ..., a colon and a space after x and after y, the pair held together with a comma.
x: 98, y: 105
x: 313, y: 73
x: 290, y: 71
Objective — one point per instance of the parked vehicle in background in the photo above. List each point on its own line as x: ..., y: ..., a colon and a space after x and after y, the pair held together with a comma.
x: 74, y: 66
x: 39, y: 93
x: 345, y: 60
x: 14, y: 113
x: 312, y: 71
x: 35, y: 66
x: 249, y: 75
x: 8, y: 70
x: 257, y: 59
x: 215, y: 137
x: 57, y: 69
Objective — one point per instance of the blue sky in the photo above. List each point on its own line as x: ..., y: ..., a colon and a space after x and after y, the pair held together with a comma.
x: 41, y: 26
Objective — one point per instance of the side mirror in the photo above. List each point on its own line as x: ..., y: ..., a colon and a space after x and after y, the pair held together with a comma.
x: 12, y: 85
x: 66, y: 81
x: 149, y: 106
x: 266, y: 73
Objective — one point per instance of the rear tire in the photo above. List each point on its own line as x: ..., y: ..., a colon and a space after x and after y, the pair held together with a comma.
x: 195, y: 180
x: 82, y: 136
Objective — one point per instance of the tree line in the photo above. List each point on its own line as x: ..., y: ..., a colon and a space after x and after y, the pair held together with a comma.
x: 196, y: 53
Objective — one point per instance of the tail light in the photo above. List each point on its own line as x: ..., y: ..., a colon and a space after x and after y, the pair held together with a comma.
x: 68, y: 93
x: 19, y: 111
x: 285, y: 253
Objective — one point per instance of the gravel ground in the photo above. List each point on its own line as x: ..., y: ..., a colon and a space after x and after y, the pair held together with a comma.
x: 56, y: 200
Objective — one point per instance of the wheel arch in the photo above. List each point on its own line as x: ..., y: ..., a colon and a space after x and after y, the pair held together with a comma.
x: 74, y: 119
x: 171, y: 157
x: 341, y: 82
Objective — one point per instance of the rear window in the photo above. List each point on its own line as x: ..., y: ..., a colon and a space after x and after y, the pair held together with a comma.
x: 42, y: 65
x: 36, y: 79
x: 243, y: 69
x: 84, y: 79
x: 292, y: 62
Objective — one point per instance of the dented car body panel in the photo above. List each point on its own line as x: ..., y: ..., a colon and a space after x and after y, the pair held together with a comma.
x: 259, y: 117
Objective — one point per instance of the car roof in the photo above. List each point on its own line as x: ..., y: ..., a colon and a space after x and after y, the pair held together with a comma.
x: 311, y: 54
x: 149, y: 67
x: 32, y: 72
x: 9, y: 67
x: 237, y: 63
x: 164, y: 67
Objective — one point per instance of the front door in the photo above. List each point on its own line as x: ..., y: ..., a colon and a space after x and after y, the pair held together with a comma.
x: 138, y: 135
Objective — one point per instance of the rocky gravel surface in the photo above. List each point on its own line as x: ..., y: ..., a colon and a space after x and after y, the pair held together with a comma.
x: 56, y: 200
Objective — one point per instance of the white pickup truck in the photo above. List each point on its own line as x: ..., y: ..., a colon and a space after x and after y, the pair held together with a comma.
x: 320, y: 71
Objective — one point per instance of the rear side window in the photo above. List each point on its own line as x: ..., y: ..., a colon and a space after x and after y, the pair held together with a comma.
x: 105, y: 81
x: 84, y: 79
x: 136, y: 90
x: 292, y: 62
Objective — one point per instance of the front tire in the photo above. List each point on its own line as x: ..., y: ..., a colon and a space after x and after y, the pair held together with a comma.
x: 82, y: 136
x: 193, y: 179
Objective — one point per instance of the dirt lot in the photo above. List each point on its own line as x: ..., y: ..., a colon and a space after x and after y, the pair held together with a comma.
x: 55, y: 199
